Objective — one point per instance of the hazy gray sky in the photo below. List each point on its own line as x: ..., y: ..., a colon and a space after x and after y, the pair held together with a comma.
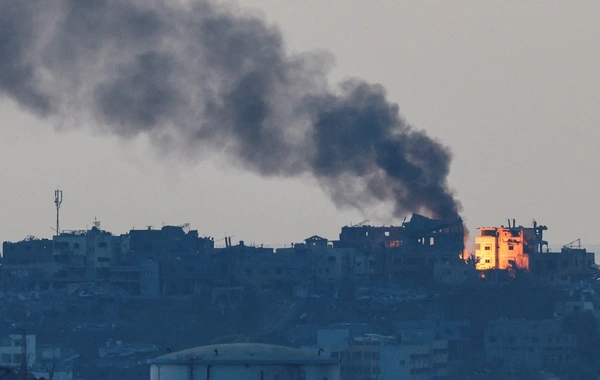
x: 511, y: 87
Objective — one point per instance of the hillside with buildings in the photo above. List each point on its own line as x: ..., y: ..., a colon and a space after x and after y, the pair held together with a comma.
x: 380, y: 300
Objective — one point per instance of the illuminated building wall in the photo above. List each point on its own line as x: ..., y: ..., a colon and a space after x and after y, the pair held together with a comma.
x: 501, y: 248
x: 486, y: 249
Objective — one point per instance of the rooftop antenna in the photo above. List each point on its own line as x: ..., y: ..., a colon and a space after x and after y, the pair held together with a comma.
x: 574, y: 244
x: 58, y: 198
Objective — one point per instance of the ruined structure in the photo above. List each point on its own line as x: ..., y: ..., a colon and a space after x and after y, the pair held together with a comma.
x: 132, y: 261
x: 508, y: 247
x: 516, y: 248
x: 177, y: 261
x: 407, y: 251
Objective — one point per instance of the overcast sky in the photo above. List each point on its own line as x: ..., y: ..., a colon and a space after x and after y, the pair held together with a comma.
x: 511, y: 87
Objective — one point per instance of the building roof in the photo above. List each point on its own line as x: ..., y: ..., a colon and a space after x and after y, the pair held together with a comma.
x: 315, y: 237
x: 423, y: 223
x: 245, y: 353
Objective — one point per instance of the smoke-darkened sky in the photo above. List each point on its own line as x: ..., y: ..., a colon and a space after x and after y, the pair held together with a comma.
x: 374, y: 100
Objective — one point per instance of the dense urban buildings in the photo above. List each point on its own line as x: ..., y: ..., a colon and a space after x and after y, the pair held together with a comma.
x: 175, y: 260
x: 379, y: 302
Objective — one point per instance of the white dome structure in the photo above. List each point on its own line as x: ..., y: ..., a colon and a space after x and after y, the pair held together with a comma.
x: 241, y: 361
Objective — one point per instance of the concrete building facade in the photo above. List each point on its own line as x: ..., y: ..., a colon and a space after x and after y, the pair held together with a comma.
x: 515, y: 248
x: 13, y: 349
x: 413, y: 355
x: 515, y: 344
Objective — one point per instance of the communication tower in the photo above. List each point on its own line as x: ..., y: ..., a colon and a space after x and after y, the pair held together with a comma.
x: 58, y: 198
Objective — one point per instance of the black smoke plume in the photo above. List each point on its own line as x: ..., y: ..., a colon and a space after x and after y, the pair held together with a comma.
x: 203, y: 76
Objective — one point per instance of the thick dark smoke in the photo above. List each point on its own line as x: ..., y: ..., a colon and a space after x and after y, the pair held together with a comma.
x: 201, y: 76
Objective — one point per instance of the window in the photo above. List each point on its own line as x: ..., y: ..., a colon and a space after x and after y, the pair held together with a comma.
x: 511, y: 247
x: 487, y: 247
x: 487, y: 261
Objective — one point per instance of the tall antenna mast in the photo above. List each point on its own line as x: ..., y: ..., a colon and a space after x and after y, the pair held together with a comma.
x: 58, y: 198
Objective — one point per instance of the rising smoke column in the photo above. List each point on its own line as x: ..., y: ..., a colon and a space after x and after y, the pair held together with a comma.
x: 203, y: 76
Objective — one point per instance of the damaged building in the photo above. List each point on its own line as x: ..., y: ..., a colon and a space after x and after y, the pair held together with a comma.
x: 27, y: 264
x: 143, y: 262
x: 515, y: 248
x: 300, y: 269
x: 175, y: 260
x: 408, y: 251
x: 363, y: 254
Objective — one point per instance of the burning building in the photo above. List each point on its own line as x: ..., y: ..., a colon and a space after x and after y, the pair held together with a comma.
x: 409, y: 250
x: 523, y: 248
x: 508, y: 247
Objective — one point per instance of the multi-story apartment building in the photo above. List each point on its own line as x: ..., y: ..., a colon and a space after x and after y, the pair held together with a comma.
x: 515, y: 248
x: 515, y: 343
x: 18, y: 350
x: 414, y: 355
